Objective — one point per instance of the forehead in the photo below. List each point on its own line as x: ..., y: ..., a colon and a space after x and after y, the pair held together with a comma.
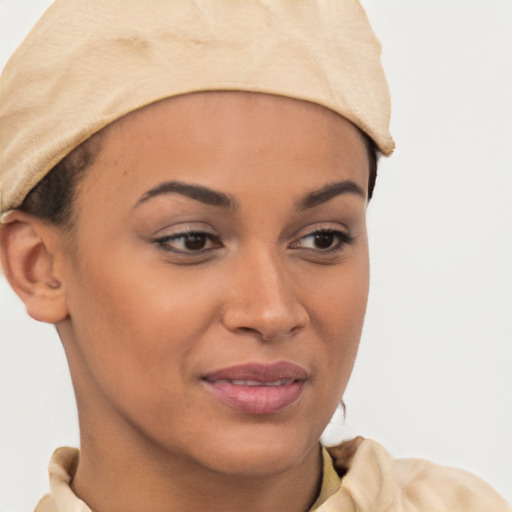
x: 253, y: 113
x: 227, y: 138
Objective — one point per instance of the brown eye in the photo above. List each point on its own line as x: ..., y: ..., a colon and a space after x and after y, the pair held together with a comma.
x: 323, y: 240
x: 189, y: 242
x: 195, y: 241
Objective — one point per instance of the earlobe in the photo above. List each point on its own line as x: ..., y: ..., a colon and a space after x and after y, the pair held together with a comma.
x: 28, y: 249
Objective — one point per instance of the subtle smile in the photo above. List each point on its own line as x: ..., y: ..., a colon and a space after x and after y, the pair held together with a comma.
x: 258, y: 388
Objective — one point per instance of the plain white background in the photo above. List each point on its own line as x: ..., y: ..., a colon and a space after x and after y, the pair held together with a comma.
x: 433, y: 378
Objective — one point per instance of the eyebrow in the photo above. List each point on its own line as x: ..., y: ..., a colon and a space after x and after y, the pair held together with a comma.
x: 328, y: 192
x: 197, y: 192
x: 215, y: 198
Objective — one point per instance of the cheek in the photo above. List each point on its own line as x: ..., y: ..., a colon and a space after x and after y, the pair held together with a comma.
x: 338, y: 316
x: 126, y: 319
x: 338, y: 298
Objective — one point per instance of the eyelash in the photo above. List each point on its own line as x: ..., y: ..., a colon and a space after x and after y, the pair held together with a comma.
x: 343, y: 239
x: 165, y: 243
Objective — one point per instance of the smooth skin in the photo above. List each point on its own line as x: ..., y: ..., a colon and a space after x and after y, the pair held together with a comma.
x: 162, y: 283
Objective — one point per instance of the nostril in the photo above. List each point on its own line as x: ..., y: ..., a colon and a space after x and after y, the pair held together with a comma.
x: 270, y: 332
x: 248, y: 330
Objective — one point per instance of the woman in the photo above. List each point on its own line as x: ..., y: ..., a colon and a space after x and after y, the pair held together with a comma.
x: 192, y: 220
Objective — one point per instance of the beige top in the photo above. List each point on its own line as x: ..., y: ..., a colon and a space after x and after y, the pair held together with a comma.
x: 371, y: 481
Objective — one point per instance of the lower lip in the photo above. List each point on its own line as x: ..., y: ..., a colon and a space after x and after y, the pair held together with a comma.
x: 257, y: 399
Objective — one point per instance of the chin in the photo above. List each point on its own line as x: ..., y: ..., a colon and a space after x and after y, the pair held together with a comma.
x: 264, y: 452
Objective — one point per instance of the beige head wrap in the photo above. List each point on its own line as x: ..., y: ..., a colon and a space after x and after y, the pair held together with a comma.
x: 89, y: 62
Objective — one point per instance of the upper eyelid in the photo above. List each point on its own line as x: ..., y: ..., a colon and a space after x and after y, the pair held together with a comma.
x: 179, y: 234
x: 338, y: 232
x: 183, y: 229
x: 305, y: 232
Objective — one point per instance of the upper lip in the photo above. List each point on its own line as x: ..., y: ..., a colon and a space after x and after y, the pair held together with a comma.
x: 260, y: 372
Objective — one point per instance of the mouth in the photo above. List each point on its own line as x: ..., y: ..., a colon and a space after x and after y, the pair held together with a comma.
x: 254, y: 383
x: 258, y: 388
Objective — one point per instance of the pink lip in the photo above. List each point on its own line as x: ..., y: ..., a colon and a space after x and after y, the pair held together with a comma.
x: 268, y: 388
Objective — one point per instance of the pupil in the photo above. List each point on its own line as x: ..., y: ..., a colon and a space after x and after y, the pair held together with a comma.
x: 195, y: 242
x: 324, y: 240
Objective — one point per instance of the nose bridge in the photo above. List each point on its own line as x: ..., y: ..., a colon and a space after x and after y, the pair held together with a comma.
x: 263, y: 296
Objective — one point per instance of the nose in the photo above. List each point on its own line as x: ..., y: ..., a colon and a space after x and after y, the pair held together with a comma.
x: 262, y: 299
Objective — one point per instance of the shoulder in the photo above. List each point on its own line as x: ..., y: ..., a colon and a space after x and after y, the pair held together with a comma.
x: 375, y: 480
x: 61, y: 469
x: 46, y: 504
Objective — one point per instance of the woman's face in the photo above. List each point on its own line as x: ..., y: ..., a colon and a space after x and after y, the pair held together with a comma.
x: 217, y: 280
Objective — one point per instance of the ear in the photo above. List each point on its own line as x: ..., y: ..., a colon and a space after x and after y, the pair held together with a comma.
x: 28, y: 249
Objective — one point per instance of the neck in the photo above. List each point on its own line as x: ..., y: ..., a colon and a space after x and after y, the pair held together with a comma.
x: 115, y: 479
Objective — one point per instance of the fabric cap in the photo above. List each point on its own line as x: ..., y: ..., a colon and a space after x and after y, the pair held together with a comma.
x: 89, y: 62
